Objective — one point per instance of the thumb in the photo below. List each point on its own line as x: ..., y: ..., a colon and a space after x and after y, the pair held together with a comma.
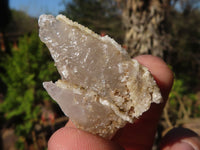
x: 71, y: 138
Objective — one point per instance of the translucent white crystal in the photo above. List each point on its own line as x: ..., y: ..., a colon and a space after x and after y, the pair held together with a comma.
x: 101, y: 87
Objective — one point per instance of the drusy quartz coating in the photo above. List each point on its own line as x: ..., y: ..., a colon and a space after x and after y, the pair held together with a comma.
x: 101, y: 87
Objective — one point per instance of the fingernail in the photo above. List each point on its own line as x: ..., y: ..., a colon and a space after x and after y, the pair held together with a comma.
x: 182, y: 146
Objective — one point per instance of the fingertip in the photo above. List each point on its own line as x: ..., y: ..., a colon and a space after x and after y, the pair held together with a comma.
x: 180, y: 146
x: 56, y: 140
x: 73, y: 138
x: 180, y: 139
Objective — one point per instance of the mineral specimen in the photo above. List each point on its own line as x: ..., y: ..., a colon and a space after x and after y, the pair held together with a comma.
x: 101, y: 87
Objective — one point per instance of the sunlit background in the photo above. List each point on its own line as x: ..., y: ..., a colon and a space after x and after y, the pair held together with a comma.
x: 167, y: 29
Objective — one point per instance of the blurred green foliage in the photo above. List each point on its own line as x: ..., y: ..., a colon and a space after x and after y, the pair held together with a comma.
x: 182, y: 103
x: 25, y: 70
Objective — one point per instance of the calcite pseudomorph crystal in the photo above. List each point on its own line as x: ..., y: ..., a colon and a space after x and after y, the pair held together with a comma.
x: 101, y: 87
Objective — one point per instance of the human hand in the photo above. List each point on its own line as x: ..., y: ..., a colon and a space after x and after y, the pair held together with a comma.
x: 137, y: 136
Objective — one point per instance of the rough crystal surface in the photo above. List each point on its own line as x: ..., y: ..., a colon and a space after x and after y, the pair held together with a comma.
x: 101, y: 87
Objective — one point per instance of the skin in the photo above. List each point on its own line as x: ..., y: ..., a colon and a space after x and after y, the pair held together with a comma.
x: 137, y: 136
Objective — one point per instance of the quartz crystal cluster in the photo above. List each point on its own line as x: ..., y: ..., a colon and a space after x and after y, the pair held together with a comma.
x: 101, y: 87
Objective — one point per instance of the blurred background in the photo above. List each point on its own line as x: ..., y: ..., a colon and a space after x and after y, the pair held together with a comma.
x: 169, y: 29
